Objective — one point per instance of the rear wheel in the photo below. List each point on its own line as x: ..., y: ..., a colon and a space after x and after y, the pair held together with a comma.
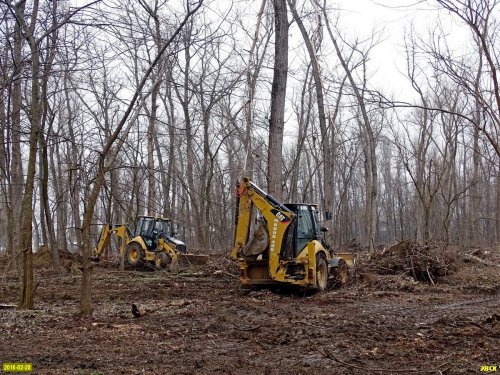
x: 135, y: 254
x: 321, y: 272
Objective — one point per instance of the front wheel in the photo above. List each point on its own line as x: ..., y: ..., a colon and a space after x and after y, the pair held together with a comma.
x: 135, y: 254
x: 321, y: 272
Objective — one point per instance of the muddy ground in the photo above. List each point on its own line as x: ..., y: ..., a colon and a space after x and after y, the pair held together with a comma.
x: 200, y: 322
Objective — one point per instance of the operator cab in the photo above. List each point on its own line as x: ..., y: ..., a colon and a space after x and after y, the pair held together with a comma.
x: 303, y: 230
x: 164, y: 228
x: 145, y: 228
x: 151, y: 229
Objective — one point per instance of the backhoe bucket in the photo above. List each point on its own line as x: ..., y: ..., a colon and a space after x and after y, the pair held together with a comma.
x: 182, y: 262
x: 349, y: 258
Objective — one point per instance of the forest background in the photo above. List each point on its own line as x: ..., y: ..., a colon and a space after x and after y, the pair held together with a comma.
x: 111, y: 109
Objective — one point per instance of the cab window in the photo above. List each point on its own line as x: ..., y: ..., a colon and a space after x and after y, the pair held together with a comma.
x: 305, y: 228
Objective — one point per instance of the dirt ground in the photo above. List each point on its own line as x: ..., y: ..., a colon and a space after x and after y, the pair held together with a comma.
x: 201, y: 322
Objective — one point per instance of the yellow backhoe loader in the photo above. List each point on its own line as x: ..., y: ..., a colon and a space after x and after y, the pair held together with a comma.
x: 152, y: 242
x: 285, y: 245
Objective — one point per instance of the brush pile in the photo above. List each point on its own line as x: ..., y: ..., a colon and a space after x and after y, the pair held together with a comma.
x: 43, y: 259
x: 422, y: 262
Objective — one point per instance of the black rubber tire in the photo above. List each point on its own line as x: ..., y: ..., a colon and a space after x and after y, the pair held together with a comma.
x: 134, y: 254
x: 321, y: 272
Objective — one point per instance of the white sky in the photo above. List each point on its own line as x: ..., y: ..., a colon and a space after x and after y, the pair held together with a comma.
x: 393, y: 17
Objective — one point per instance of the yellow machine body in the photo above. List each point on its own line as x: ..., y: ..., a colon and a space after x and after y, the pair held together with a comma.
x: 152, y: 242
x: 284, y: 245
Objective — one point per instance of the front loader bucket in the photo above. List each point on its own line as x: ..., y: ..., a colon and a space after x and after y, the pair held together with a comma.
x: 349, y: 258
x: 182, y: 262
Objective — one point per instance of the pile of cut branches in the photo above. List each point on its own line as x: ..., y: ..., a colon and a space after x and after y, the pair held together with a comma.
x: 422, y: 262
x: 43, y: 258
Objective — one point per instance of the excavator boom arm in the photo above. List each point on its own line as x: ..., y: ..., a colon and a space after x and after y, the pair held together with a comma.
x: 277, y: 216
x: 122, y: 231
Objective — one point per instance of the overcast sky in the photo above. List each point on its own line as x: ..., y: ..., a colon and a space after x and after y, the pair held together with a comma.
x: 393, y: 17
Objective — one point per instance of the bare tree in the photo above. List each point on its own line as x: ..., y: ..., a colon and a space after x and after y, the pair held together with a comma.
x: 359, y: 89
x: 278, y: 98
x: 36, y: 105
x: 303, y: 114
x: 157, y: 74
x: 253, y: 68
x: 12, y: 170
x: 478, y: 15
x: 106, y: 159
x: 328, y: 186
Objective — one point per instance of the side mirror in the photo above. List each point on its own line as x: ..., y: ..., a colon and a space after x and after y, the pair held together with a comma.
x: 324, y: 229
x: 328, y: 215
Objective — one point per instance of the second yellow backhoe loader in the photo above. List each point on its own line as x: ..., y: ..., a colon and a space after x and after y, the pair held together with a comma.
x: 152, y: 242
x: 285, y: 246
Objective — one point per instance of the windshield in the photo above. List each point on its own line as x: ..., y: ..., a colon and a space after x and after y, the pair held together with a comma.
x: 145, y: 226
x: 164, y: 228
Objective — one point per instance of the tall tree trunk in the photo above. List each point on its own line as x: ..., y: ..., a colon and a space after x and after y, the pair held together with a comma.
x: 328, y: 184
x: 185, y: 97
x: 371, y: 177
x: 252, y: 72
x: 45, y: 205
x: 62, y: 196
x: 26, y: 295
x: 153, y: 204
x: 169, y: 192
x: 16, y: 166
x: 152, y: 200
x: 476, y: 157
x: 74, y: 167
x: 35, y: 113
x: 304, y: 118
x: 278, y: 96
x: 48, y: 60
